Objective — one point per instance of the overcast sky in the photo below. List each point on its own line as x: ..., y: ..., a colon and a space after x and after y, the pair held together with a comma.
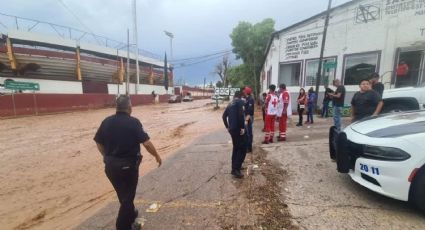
x: 200, y: 27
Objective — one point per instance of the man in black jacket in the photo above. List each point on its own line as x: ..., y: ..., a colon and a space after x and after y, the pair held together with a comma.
x: 118, y: 139
x: 233, y: 118
x: 376, y: 85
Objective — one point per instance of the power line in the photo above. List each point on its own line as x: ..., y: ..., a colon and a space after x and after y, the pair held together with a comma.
x: 203, y: 56
x: 183, y: 65
x: 77, y: 18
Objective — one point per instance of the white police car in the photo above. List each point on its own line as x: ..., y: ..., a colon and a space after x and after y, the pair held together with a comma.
x: 385, y: 154
x: 404, y: 99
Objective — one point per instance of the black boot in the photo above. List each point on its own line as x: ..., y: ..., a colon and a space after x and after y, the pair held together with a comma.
x: 237, y: 173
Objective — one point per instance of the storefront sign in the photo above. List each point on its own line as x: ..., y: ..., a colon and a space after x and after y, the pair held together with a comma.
x: 394, y: 7
x: 301, y: 44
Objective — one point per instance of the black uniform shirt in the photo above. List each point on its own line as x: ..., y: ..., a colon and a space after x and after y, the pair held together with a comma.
x: 379, y: 88
x: 327, y: 98
x: 233, y: 116
x: 249, y: 106
x: 121, y: 136
x: 339, y: 101
x: 365, y: 104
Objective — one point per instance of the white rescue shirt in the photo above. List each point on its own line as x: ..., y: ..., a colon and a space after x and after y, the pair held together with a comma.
x: 284, y: 98
x: 271, y: 104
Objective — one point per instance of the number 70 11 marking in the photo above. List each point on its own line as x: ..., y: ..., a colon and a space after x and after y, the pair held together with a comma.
x: 365, y: 168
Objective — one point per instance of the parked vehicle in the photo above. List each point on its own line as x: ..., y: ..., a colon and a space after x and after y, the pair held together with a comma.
x: 404, y: 99
x: 175, y: 99
x: 217, y: 97
x: 4, y: 91
x: 384, y: 154
x: 187, y: 98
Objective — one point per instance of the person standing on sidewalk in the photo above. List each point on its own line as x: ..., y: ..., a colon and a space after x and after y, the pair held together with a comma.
x: 118, y: 139
x: 338, y: 102
x: 366, y: 102
x: 301, y: 101
x: 326, y: 100
x: 284, y: 111
x: 249, y: 117
x: 271, y: 111
x: 376, y: 85
x: 310, y: 105
x: 263, y: 109
x: 234, y: 121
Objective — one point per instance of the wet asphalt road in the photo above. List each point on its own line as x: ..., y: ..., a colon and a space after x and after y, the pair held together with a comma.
x: 194, y: 187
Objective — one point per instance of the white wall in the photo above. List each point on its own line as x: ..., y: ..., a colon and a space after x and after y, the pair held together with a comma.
x: 395, y: 27
x: 50, y: 86
x: 143, y: 89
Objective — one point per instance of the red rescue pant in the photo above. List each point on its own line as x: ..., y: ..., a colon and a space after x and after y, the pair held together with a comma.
x: 282, y: 125
x: 269, y: 129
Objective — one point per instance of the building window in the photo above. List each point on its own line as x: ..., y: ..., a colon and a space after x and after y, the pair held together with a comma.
x: 360, y: 66
x: 328, y: 74
x: 289, y: 74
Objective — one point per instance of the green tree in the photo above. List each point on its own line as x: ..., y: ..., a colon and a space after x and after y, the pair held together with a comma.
x: 249, y: 43
x: 240, y: 76
x: 219, y: 84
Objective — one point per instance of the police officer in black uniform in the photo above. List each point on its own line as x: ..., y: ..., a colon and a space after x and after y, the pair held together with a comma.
x: 249, y: 117
x: 118, y: 140
x: 233, y: 118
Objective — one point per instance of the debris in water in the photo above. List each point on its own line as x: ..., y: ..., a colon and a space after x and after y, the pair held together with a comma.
x: 140, y: 221
x: 153, y: 207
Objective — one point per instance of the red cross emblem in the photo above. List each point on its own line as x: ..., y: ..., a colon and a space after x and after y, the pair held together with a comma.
x: 274, y: 102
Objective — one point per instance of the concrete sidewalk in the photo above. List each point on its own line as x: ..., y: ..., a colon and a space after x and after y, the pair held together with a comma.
x: 196, y: 191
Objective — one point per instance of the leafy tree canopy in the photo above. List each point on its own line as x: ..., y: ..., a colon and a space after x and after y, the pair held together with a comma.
x: 249, y: 43
x: 240, y: 76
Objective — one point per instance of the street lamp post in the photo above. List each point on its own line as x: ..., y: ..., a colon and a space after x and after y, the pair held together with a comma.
x: 137, y: 45
x: 171, y: 36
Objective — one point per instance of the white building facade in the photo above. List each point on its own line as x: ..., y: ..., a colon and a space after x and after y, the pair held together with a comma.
x: 364, y: 36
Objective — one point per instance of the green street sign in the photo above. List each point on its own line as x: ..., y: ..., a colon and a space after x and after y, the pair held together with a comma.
x: 19, y: 85
x: 329, y: 65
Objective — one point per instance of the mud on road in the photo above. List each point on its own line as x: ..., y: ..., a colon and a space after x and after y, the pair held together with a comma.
x: 52, y: 174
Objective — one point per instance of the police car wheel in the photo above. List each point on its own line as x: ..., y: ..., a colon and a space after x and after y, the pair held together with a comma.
x: 342, y: 158
x: 332, y: 150
x: 418, y: 190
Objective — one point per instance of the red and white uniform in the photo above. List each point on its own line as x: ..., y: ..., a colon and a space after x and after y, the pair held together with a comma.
x: 284, y: 100
x: 271, y: 111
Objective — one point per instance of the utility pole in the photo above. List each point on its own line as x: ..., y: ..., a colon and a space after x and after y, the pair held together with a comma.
x: 128, y: 64
x: 203, y: 92
x: 137, y: 45
x: 322, y: 50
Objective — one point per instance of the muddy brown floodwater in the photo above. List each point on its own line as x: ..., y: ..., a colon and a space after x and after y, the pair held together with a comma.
x: 52, y: 174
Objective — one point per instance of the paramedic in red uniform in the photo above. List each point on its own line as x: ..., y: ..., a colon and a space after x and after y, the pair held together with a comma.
x: 284, y: 110
x: 271, y: 111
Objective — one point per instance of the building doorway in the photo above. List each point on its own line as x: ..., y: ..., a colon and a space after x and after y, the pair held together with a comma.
x: 410, y: 69
x: 289, y: 74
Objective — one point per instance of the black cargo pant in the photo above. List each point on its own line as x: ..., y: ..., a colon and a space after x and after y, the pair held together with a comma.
x: 239, y: 150
x: 124, y: 175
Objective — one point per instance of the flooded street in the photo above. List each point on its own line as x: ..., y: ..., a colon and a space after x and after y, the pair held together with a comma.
x: 52, y: 174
